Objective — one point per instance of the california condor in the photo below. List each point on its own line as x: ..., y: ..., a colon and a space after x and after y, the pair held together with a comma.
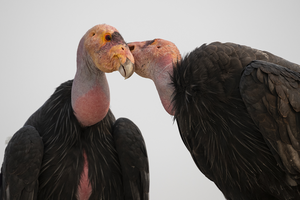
x: 72, y: 147
x: 237, y: 110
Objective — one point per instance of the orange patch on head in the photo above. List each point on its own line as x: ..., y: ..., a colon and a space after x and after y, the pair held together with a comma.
x: 108, y: 55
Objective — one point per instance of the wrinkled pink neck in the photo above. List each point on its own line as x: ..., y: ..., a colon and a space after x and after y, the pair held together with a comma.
x: 162, y: 80
x: 92, y: 106
x: 90, y: 91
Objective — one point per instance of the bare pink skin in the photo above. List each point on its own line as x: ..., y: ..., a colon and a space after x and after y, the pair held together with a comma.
x: 90, y: 91
x: 85, y: 188
x: 154, y: 59
x: 97, y: 53
x: 95, y: 56
x: 93, y: 105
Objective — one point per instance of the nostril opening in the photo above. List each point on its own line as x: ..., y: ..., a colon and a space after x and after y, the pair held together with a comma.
x: 158, y: 47
x: 122, y: 48
x: 131, y: 48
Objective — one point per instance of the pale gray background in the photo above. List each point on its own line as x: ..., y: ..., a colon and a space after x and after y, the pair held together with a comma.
x: 38, y: 42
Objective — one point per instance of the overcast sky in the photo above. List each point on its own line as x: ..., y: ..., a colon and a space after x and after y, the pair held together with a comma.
x: 38, y: 43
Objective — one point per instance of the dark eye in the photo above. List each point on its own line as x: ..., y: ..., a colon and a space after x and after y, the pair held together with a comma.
x: 108, y: 38
x: 93, y: 34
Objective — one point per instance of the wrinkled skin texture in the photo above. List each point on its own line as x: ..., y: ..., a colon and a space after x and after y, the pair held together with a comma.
x: 154, y: 59
x: 102, y: 49
x: 107, y: 48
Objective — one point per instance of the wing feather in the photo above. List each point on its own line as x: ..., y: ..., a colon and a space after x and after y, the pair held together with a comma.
x: 21, y: 165
x: 272, y: 96
x: 133, y: 158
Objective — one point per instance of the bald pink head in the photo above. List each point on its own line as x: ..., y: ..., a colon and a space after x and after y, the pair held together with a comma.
x: 154, y: 54
x: 154, y: 59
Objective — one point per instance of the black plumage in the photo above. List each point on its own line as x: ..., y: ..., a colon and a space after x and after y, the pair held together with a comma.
x: 49, y: 161
x: 237, y: 110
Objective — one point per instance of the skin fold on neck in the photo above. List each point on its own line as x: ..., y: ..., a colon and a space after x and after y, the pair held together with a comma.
x: 90, y: 91
x: 162, y: 80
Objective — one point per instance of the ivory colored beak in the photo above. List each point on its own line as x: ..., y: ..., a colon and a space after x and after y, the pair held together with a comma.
x: 127, y: 69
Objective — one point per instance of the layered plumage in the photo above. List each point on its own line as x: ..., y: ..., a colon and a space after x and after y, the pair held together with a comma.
x: 63, y: 154
x: 237, y: 113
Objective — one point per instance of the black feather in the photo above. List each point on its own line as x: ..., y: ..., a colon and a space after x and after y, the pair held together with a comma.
x: 61, y: 161
x: 225, y: 143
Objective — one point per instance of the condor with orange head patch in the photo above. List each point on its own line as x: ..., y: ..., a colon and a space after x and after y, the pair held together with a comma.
x: 73, y: 147
x: 101, y: 50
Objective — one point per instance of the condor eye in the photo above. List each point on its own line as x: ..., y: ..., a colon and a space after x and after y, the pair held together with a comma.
x: 108, y: 38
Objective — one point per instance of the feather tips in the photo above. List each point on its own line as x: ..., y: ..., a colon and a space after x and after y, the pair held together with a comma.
x: 278, y: 86
x: 65, y: 140
x: 215, y: 126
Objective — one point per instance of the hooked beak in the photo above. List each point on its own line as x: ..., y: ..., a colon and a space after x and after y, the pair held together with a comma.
x: 126, y: 69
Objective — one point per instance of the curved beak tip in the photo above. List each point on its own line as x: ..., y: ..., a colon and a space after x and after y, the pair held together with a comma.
x: 127, y: 69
